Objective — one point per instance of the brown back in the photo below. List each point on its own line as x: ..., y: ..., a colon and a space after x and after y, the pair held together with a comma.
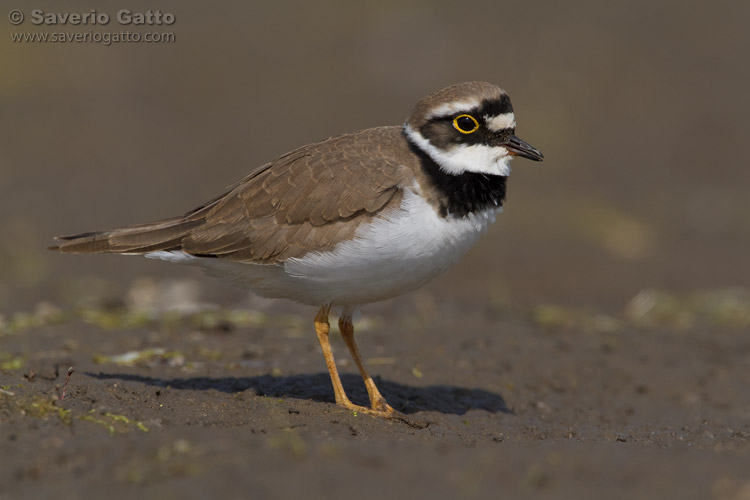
x: 307, y: 200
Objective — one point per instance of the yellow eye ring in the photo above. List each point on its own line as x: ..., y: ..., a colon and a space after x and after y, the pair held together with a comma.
x: 462, y: 126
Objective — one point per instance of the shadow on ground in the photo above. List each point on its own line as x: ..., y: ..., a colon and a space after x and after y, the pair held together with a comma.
x: 317, y: 387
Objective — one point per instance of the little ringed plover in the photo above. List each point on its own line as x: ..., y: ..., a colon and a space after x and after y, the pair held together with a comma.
x: 352, y: 219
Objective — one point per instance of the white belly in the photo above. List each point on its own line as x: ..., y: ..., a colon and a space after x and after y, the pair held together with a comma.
x: 398, y: 252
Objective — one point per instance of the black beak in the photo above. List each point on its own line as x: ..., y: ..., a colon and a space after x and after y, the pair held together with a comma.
x: 517, y: 147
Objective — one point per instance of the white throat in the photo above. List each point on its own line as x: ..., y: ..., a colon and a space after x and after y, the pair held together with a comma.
x: 478, y: 158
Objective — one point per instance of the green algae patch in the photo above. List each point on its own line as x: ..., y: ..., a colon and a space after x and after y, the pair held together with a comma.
x: 225, y: 319
x: 9, y: 362
x: 44, y: 314
x: 43, y: 407
x: 728, y: 307
x: 552, y: 317
x: 109, y: 318
x: 113, y: 423
x: 114, y: 319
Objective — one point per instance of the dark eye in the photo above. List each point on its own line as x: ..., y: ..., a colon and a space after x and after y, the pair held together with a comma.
x: 466, y: 124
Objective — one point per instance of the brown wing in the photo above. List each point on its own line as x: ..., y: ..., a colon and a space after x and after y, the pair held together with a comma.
x: 307, y: 200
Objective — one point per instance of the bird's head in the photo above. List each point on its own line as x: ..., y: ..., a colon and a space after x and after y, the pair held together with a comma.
x: 468, y: 127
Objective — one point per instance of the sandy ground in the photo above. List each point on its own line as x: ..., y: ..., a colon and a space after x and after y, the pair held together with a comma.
x: 544, y: 364
x: 237, y: 404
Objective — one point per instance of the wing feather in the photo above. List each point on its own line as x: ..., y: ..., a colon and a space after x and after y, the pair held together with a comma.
x: 308, y: 200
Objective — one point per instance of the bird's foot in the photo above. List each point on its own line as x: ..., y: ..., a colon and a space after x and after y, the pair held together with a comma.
x: 383, y: 410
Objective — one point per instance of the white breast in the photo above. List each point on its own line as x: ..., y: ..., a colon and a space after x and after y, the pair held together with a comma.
x: 396, y: 253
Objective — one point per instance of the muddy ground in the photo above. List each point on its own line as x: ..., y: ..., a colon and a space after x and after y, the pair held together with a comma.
x: 219, y: 403
x: 594, y: 344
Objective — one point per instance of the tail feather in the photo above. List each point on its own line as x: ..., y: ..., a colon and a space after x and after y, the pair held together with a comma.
x: 140, y: 239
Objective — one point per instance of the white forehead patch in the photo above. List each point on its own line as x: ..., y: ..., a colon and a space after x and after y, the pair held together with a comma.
x: 500, y: 122
x: 451, y: 108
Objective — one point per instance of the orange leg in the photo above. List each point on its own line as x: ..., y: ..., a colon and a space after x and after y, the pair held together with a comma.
x: 322, y: 329
x: 377, y: 401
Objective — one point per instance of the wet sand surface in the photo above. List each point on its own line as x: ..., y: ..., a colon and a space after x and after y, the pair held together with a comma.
x: 229, y: 404
x: 594, y: 344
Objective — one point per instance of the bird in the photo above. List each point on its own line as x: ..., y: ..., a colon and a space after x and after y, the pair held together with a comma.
x: 350, y: 220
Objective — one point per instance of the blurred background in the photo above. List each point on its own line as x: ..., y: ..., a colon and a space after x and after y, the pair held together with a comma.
x: 639, y: 107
